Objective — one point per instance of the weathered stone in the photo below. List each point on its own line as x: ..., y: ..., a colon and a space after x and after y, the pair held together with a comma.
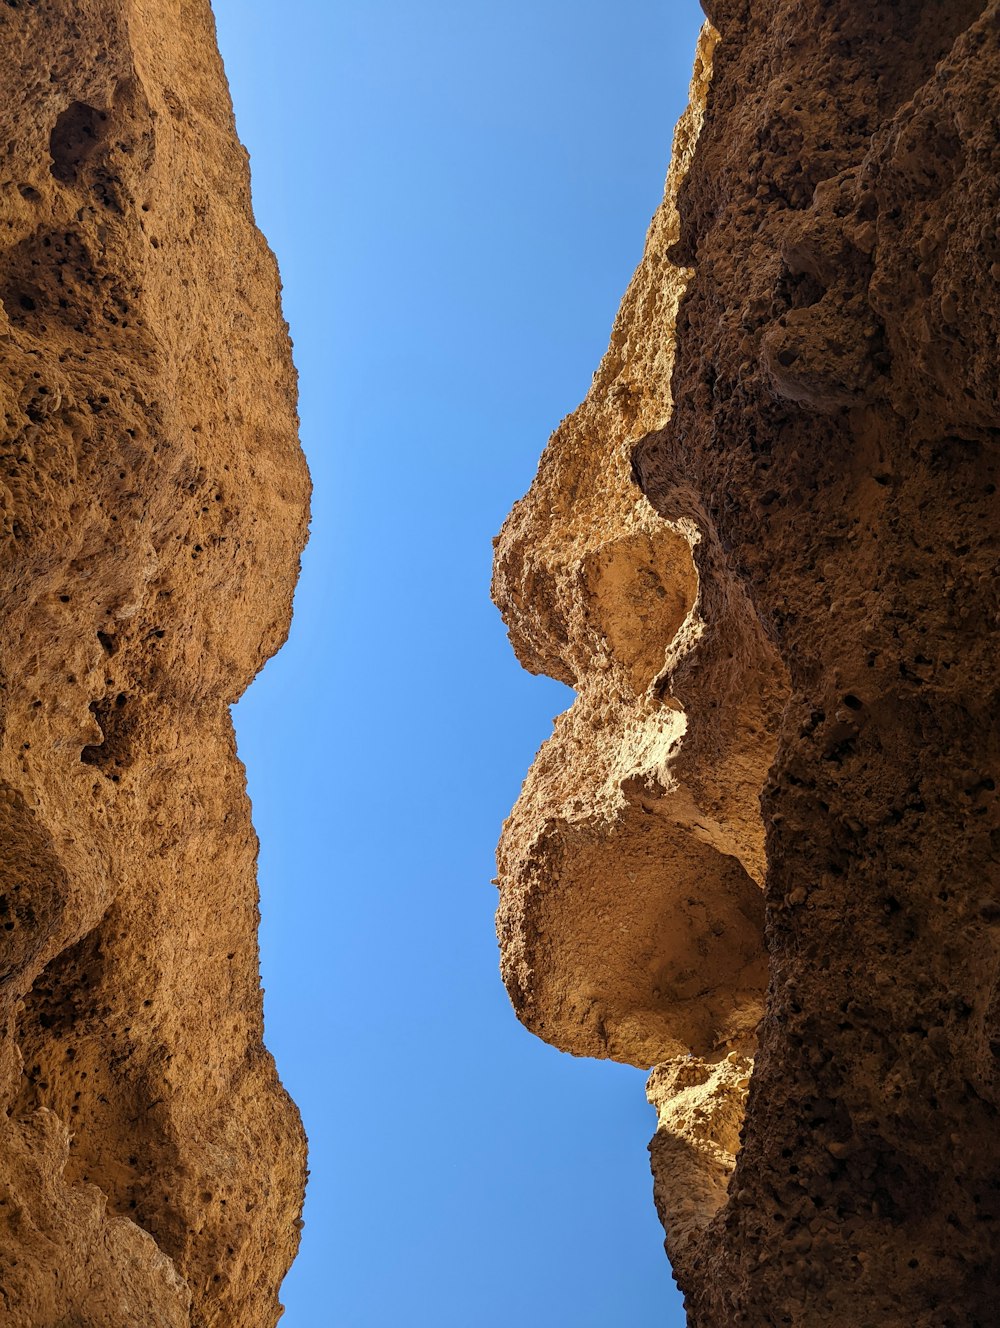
x: 152, y: 510
x: 646, y: 790
x: 811, y: 411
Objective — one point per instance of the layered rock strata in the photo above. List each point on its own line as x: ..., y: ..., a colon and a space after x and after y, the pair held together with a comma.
x: 153, y: 502
x: 764, y: 551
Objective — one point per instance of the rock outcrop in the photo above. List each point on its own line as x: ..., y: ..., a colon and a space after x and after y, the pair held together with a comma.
x: 760, y: 851
x: 154, y: 503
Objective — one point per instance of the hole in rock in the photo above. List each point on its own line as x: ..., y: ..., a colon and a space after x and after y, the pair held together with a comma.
x: 82, y: 1064
x: 77, y: 132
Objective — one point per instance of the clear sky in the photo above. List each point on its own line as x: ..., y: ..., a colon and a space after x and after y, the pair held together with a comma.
x: 457, y: 193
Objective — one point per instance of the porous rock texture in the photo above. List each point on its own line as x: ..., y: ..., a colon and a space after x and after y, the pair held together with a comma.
x: 154, y: 503
x: 760, y: 851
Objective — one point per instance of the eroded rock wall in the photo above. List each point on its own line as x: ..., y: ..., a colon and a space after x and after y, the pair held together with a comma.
x: 154, y: 503
x: 778, y: 801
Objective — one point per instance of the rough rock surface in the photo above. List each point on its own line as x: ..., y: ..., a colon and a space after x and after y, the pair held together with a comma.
x: 153, y: 504
x: 770, y: 822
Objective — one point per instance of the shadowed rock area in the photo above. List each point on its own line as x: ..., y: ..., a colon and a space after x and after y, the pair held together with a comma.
x: 759, y: 853
x: 153, y: 503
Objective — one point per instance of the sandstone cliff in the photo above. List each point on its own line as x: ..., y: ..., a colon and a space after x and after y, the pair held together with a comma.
x: 153, y: 503
x: 759, y: 853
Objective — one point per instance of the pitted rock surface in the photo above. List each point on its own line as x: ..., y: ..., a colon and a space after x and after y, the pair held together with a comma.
x: 153, y: 505
x: 634, y: 784
x: 769, y: 825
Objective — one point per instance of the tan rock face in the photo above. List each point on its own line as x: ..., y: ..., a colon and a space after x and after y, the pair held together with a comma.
x: 631, y: 915
x: 775, y: 798
x: 153, y: 503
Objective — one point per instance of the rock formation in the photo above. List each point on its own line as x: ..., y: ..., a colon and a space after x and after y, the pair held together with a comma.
x: 759, y: 853
x: 153, y: 502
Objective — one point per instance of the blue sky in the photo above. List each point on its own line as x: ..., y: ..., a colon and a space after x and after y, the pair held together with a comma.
x: 457, y: 194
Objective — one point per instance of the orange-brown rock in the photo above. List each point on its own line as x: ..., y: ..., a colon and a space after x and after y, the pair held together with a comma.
x: 769, y: 824
x: 153, y: 502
